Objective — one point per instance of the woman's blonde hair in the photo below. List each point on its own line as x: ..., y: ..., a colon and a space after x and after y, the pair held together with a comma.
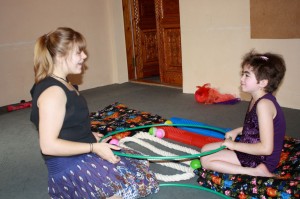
x: 57, y: 43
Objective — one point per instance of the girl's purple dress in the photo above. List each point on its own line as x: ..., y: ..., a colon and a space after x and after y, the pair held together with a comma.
x: 250, y: 134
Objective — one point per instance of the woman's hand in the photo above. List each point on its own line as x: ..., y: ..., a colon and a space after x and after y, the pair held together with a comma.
x: 98, y: 136
x: 106, y: 139
x: 104, y: 150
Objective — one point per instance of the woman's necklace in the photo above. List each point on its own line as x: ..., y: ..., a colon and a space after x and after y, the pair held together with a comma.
x: 52, y: 75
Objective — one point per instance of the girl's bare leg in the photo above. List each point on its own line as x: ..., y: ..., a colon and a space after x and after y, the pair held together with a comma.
x: 226, y: 161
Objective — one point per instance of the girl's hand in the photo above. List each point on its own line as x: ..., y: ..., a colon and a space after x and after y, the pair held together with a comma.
x: 230, y: 135
x: 228, y: 143
x: 104, y: 150
x: 233, y: 133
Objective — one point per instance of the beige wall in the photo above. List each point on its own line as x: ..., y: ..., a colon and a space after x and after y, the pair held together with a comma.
x: 21, y: 22
x: 216, y: 34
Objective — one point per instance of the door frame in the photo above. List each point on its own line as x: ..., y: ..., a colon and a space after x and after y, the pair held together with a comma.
x: 129, y: 39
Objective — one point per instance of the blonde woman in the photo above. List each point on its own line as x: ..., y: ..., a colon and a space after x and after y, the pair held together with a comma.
x: 78, y: 165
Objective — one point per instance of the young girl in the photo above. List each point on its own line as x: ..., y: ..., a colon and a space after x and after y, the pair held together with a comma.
x: 78, y: 165
x: 257, y: 152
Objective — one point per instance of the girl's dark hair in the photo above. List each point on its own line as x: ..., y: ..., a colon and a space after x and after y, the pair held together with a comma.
x: 267, y: 66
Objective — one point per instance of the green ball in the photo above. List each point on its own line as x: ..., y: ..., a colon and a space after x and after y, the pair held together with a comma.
x: 152, y: 131
x: 195, y: 164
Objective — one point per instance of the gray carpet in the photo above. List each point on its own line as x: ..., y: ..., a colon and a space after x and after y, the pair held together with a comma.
x: 23, y: 173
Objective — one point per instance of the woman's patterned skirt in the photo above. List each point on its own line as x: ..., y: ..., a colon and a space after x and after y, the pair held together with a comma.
x: 90, y: 176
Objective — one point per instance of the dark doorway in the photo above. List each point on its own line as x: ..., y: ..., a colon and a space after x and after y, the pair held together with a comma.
x: 153, y: 42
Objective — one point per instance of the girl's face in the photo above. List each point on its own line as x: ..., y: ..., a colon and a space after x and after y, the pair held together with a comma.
x: 75, y: 61
x: 249, y: 82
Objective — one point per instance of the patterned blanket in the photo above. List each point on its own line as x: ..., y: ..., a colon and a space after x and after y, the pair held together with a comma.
x: 286, y: 185
x: 118, y: 116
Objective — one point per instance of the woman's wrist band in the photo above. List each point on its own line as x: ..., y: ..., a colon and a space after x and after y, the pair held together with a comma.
x: 91, y: 147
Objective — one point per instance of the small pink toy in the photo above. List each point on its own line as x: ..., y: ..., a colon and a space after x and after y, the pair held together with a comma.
x: 114, y: 142
x: 160, y: 133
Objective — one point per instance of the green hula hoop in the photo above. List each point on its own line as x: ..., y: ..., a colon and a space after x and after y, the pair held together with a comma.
x: 167, y: 157
x: 173, y: 157
x: 147, y: 157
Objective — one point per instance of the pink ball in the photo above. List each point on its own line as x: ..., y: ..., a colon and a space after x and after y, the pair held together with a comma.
x: 160, y: 133
x: 114, y: 142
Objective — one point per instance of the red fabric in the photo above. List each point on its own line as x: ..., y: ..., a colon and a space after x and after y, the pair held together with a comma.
x: 207, y: 95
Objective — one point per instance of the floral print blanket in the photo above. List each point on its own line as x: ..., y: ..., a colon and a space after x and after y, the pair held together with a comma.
x: 118, y: 116
x: 285, y: 185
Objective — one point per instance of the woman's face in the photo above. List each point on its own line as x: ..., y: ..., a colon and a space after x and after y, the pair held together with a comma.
x: 75, y: 60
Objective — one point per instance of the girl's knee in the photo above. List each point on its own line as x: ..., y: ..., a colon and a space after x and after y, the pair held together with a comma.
x: 210, y: 146
x: 203, y: 161
x: 205, y: 148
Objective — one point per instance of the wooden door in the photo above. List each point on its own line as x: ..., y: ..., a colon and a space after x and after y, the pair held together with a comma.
x: 152, y: 31
x: 141, y: 38
x: 169, y: 41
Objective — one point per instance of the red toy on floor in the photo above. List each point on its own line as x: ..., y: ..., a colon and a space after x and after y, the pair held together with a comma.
x: 23, y: 104
x: 187, y: 137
